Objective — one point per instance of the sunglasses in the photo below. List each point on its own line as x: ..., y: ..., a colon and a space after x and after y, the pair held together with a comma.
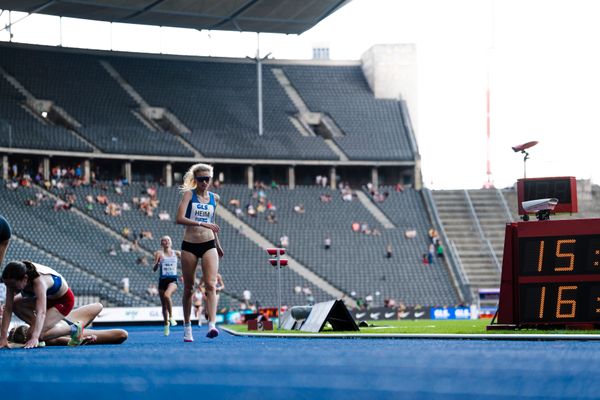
x: 202, y: 178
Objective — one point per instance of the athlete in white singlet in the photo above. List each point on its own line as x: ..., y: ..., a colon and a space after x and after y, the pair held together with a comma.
x: 166, y: 260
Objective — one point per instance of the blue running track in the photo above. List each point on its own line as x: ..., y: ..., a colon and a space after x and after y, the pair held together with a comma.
x: 151, y: 366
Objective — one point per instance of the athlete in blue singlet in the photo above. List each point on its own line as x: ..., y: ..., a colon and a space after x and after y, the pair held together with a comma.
x: 5, y: 234
x: 41, y: 297
x: 166, y: 260
x: 200, y: 242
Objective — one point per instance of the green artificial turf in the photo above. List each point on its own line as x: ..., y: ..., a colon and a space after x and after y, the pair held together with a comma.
x: 428, y: 326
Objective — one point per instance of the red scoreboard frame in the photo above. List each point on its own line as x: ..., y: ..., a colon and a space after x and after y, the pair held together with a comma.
x: 550, y: 275
x: 564, y: 188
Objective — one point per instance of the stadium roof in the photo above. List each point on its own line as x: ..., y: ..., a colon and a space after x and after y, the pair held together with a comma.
x: 274, y: 16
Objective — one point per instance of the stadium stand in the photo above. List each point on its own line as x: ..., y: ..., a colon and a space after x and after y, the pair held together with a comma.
x: 374, y: 129
x: 79, y: 84
x: 355, y: 262
x: 19, y: 129
x: 217, y: 101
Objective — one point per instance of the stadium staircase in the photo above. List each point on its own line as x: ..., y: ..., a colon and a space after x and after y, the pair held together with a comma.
x: 474, y: 221
x: 374, y: 210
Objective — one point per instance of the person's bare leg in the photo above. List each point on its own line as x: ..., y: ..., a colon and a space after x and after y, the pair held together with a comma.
x: 109, y: 336
x: 168, y: 294
x: 210, y: 268
x: 85, y: 314
x: 51, y: 329
x: 188, y: 266
x: 164, y: 306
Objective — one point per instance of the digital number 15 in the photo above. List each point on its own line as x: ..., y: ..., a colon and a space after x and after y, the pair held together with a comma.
x: 559, y: 254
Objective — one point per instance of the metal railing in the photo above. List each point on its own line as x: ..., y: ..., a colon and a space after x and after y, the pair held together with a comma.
x: 482, y: 236
x: 509, y: 216
x: 456, y: 267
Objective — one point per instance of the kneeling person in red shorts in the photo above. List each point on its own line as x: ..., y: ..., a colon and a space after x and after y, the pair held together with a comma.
x: 41, y: 297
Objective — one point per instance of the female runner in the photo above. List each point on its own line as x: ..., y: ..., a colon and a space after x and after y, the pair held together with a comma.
x: 200, y: 243
x: 167, y: 259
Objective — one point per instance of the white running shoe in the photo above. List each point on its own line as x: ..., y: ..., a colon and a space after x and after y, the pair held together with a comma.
x: 187, y: 333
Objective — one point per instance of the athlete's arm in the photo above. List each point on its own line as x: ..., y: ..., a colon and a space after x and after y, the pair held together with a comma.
x: 39, y: 288
x: 217, y: 242
x: 6, y: 315
x: 3, y: 248
x: 220, y: 284
x: 157, y: 258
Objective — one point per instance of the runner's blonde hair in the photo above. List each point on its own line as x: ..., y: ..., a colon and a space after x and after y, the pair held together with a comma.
x: 189, y: 179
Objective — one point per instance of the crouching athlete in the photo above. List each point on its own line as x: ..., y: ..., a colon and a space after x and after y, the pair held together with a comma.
x: 41, y: 297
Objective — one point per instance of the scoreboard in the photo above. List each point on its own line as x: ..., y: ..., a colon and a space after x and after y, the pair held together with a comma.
x: 550, y: 274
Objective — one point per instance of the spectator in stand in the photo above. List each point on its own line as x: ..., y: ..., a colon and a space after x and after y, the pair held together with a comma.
x: 198, y: 300
x: 425, y: 259
x: 125, y: 247
x: 59, y: 204
x: 327, y: 242
x: 299, y: 209
x: 152, y: 290
x: 439, y: 250
x: 388, y: 251
x: 433, y: 235
x: 219, y: 287
x: 284, y: 241
x: 247, y: 295
x: 325, y: 198
x: 430, y: 253
x: 142, y: 260
x: 271, y: 218
x: 125, y: 283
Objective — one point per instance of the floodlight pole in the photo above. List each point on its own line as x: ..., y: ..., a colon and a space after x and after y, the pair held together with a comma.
x: 259, y: 83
